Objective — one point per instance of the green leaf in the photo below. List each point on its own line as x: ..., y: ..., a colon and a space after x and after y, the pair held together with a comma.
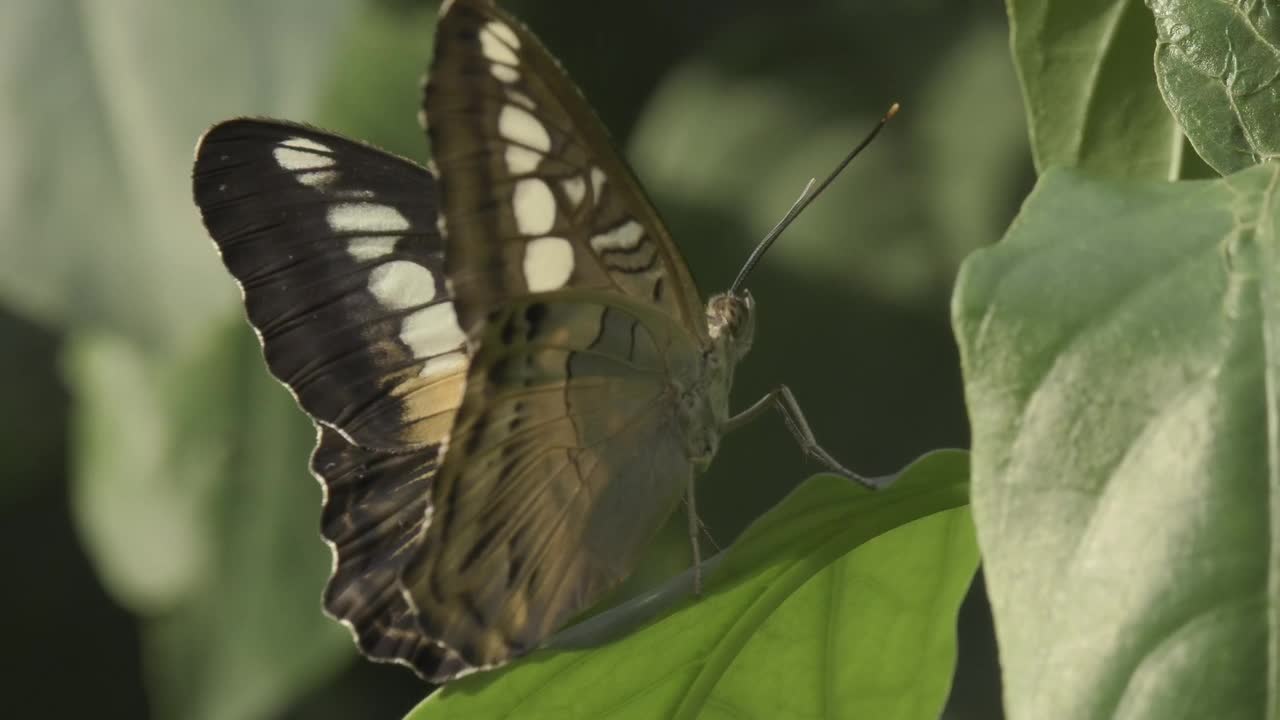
x: 104, y: 103
x: 1218, y: 64
x: 1089, y: 88
x: 837, y: 603
x: 1121, y: 355
x: 191, y: 491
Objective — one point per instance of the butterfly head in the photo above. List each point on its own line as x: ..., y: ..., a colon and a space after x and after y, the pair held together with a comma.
x: 731, y: 321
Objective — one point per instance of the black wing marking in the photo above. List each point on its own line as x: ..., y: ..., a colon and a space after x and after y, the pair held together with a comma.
x: 335, y: 246
x: 375, y: 509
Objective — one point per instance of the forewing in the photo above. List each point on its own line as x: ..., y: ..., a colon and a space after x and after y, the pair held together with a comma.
x: 335, y: 246
x: 563, y: 463
x: 534, y: 196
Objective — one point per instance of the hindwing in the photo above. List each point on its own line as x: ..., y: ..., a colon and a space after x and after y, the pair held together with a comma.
x: 565, y: 460
x: 376, y: 505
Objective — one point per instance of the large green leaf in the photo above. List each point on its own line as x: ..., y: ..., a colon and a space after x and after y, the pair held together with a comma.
x: 838, y: 603
x: 103, y: 104
x: 1121, y: 353
x: 192, y: 493
x: 1219, y: 69
x: 1089, y: 88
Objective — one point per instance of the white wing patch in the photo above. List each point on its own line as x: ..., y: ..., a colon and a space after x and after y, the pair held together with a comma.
x: 310, y: 161
x: 433, y: 331
x: 529, y: 139
x: 371, y: 248
x: 521, y: 99
x: 503, y: 33
x: 521, y: 160
x: 597, y: 183
x: 499, y: 43
x: 444, y: 365
x: 504, y: 73
x: 366, y: 217
x: 519, y: 125
x: 626, y: 236
x: 548, y: 263
x: 534, y: 207
x: 575, y: 188
x: 401, y: 284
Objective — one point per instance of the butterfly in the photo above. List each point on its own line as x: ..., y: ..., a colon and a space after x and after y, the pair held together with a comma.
x: 512, y: 374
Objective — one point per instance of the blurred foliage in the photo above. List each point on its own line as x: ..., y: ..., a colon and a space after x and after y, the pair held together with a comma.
x: 31, y: 440
x: 785, y: 130
x: 187, y: 493
x: 373, y: 93
x: 105, y: 100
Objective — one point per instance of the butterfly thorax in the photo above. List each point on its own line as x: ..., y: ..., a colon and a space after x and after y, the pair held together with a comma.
x: 704, y: 404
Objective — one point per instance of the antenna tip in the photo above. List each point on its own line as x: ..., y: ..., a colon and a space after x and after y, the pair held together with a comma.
x: 893, y: 110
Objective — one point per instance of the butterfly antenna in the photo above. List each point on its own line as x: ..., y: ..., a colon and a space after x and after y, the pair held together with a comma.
x: 807, y: 196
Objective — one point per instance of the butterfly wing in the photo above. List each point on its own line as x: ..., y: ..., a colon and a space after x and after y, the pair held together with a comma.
x: 335, y: 247
x: 534, y: 195
x: 334, y: 244
x: 563, y: 464
x: 376, y: 505
x: 583, y: 319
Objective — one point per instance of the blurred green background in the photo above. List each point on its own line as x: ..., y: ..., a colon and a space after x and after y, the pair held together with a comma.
x: 157, y: 521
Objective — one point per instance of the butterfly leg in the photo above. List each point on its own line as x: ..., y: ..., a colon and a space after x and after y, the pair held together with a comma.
x: 781, y: 398
x: 694, y: 531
